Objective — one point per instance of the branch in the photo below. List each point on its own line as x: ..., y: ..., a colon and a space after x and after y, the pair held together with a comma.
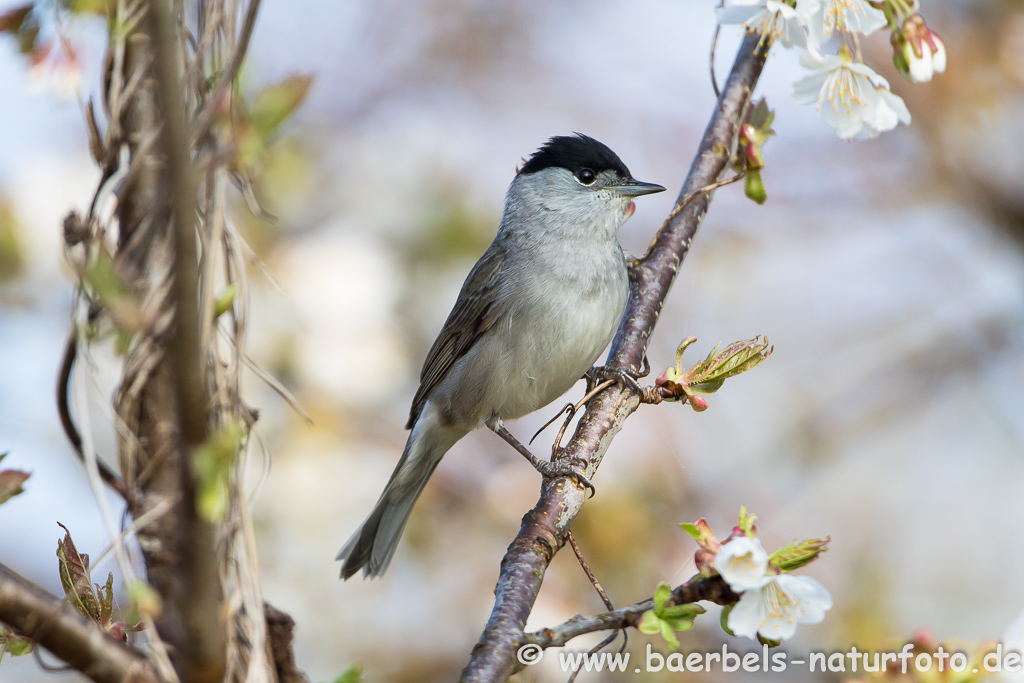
x: 55, y: 625
x: 203, y: 657
x: 711, y: 588
x: 543, y: 530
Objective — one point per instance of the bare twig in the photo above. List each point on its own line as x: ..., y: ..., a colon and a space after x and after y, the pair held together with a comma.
x: 543, y: 529
x: 711, y: 60
x: 585, y: 566
x: 109, y: 476
x: 243, y: 43
x: 81, y: 643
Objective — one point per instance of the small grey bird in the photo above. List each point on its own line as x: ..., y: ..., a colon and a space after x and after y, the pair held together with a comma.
x: 533, y: 316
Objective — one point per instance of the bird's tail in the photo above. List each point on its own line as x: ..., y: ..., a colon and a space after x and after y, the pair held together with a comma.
x: 373, y: 544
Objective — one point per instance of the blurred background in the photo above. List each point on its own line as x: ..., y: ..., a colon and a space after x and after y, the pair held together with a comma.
x: 889, y: 274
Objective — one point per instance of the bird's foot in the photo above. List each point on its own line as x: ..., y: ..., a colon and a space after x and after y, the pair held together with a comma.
x: 626, y: 378
x: 575, y: 468
x: 547, y: 468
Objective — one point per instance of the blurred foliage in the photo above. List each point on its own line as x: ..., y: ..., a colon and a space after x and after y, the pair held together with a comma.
x: 214, y: 463
x: 254, y: 125
x: 12, y: 254
x: 452, y: 229
x: 284, y: 183
x: 353, y: 673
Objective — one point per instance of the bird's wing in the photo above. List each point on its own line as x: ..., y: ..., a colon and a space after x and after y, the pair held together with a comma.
x: 475, y: 312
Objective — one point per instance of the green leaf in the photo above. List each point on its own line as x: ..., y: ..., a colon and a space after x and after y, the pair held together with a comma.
x: 662, y: 594
x: 724, y: 620
x: 679, y: 625
x: 692, y: 530
x: 213, y: 464
x: 276, y: 103
x: 225, y: 301
x: 19, y: 645
x: 13, y: 642
x: 687, y: 612
x: 145, y: 600
x: 101, y: 7
x: 668, y: 619
x: 74, y: 577
x: 353, y: 673
x: 669, y: 635
x: 10, y: 483
x: 708, y: 376
x: 746, y: 522
x: 649, y: 623
x: 102, y: 277
x: 753, y: 186
x: 106, y: 600
x: 799, y: 553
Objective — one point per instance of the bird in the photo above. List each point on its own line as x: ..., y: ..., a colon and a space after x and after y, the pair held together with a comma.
x: 532, y: 318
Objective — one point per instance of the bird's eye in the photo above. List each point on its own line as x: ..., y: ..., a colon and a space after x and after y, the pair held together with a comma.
x: 586, y: 176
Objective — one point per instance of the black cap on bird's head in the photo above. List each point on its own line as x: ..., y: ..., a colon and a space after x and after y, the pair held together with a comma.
x: 586, y: 159
x: 575, y: 152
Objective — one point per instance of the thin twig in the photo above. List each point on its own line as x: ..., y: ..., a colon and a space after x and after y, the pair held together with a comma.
x: 242, y: 46
x: 594, y: 650
x: 587, y: 570
x: 107, y: 474
x: 711, y: 60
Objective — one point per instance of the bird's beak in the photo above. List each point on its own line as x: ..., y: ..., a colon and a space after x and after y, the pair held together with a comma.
x: 635, y: 188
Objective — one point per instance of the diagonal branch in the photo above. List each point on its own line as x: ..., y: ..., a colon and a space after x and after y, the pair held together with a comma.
x: 55, y: 625
x: 544, y: 527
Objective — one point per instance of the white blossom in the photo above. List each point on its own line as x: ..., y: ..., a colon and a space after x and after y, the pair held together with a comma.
x: 855, y: 16
x: 783, y: 23
x: 774, y: 609
x: 853, y: 100
x: 742, y: 562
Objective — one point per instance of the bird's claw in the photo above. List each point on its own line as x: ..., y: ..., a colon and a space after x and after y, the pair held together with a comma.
x: 565, y: 468
x: 625, y: 378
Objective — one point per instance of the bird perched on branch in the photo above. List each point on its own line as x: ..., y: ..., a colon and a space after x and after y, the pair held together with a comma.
x: 533, y: 316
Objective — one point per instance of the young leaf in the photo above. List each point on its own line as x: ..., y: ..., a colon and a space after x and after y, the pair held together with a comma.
x: 277, y: 102
x: 106, y: 600
x: 214, y: 463
x: 724, y: 620
x: 10, y: 483
x: 74, y: 577
x: 13, y: 642
x: 662, y: 594
x: 691, y: 529
x: 799, y: 553
x: 353, y: 673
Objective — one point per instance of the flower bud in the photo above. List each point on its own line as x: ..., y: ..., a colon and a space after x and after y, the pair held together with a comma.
x: 918, y: 52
